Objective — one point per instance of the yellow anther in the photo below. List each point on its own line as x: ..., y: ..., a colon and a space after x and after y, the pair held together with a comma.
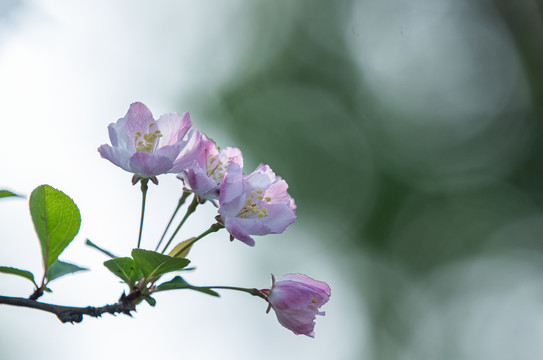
x: 149, y: 140
x: 251, y: 209
x: 152, y: 124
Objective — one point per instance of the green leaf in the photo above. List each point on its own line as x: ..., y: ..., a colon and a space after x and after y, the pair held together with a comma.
x: 151, y: 301
x: 15, y: 271
x: 154, y: 264
x: 7, y: 193
x: 125, y: 268
x: 60, y: 268
x: 179, y: 283
x: 56, y: 220
x: 186, y: 245
x: 91, y: 244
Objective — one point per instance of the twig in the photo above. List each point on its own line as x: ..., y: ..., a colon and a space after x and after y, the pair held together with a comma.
x: 70, y: 313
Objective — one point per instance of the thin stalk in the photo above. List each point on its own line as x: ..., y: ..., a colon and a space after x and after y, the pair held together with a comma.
x: 144, y: 196
x: 214, y: 228
x: 190, y: 210
x: 252, y: 291
x: 179, y: 204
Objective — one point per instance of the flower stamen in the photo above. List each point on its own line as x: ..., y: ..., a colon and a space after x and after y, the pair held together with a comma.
x: 148, y: 143
x: 251, y: 209
x: 215, y: 168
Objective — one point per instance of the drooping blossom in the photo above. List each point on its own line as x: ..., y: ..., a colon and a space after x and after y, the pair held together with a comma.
x: 204, y: 176
x: 296, y: 299
x: 148, y: 148
x: 254, y: 204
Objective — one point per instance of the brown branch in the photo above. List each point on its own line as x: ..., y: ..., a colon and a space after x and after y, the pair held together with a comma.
x: 70, y: 313
x: 38, y: 292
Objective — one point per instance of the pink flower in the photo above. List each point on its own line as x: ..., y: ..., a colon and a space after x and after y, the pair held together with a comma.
x: 204, y: 176
x: 149, y: 148
x: 296, y: 299
x: 254, y: 204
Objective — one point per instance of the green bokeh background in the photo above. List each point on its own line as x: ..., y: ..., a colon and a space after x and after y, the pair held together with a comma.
x: 399, y: 181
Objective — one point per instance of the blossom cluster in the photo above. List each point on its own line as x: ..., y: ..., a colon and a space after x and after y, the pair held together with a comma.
x: 255, y: 203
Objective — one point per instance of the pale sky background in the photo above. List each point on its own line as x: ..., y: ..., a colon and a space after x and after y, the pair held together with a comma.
x: 67, y: 70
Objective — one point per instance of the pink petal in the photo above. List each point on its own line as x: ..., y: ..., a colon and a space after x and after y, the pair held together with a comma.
x: 299, y: 321
x: 208, y: 148
x: 302, y: 278
x: 201, y: 184
x: 258, y: 180
x: 169, y: 151
x: 137, y: 118
x: 278, y: 192
x: 238, y: 232
x: 290, y: 295
x: 279, y: 217
x: 253, y: 226
x: 149, y: 165
x: 116, y: 155
x: 173, y: 127
x: 190, y: 149
x: 231, y: 198
x: 234, y: 154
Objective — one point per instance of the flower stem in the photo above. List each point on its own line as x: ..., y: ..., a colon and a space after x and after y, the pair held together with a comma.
x: 190, y: 210
x: 144, y: 196
x: 213, y: 228
x: 252, y: 291
x: 181, y: 202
